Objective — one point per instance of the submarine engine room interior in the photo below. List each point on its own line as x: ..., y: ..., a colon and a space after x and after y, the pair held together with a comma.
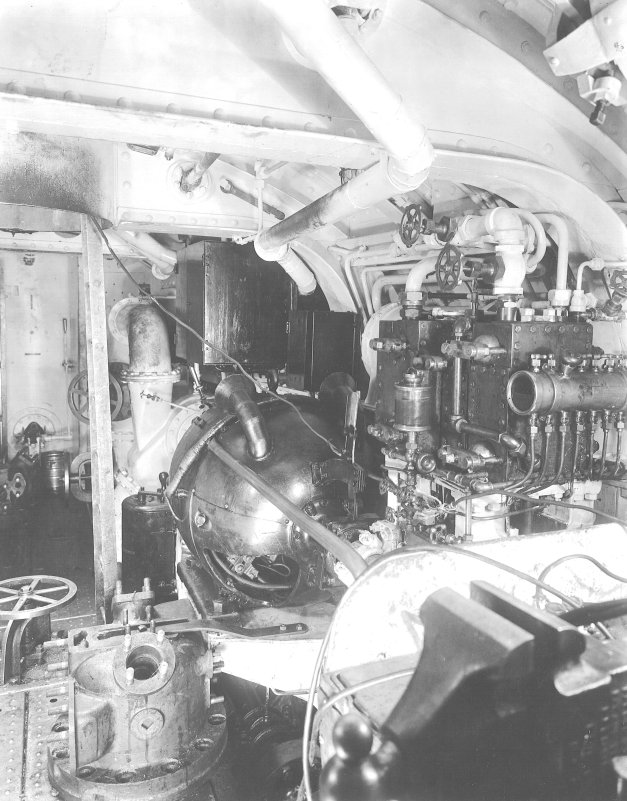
x: 313, y: 392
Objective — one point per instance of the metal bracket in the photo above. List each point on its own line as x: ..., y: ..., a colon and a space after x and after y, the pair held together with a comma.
x: 338, y: 470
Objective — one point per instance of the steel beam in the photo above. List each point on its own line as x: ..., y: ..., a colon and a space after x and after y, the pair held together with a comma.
x: 103, y: 511
x: 64, y: 118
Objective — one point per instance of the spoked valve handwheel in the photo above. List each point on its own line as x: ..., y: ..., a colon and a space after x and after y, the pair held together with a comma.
x: 448, y: 267
x: 412, y: 224
x: 78, y: 396
x: 26, y: 597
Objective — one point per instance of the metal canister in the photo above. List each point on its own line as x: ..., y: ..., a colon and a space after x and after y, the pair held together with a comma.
x: 414, y: 401
x: 148, y: 545
x: 54, y: 472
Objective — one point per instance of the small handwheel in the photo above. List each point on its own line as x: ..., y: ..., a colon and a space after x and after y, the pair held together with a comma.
x: 412, y: 224
x: 78, y: 396
x: 448, y: 267
x: 25, y: 597
x: 80, y: 477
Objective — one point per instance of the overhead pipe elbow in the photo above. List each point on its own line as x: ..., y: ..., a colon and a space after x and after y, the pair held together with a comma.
x: 148, y: 344
x: 561, y: 295
x: 163, y: 259
x: 505, y: 228
x: 150, y: 380
x: 291, y: 262
x: 319, y: 36
x: 416, y: 277
x: 233, y: 394
x: 380, y: 284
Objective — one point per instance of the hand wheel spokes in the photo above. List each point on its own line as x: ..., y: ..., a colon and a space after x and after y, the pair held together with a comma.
x: 33, y: 596
x: 411, y: 224
x: 448, y: 267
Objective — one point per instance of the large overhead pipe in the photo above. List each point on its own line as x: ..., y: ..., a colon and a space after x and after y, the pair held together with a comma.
x: 320, y: 37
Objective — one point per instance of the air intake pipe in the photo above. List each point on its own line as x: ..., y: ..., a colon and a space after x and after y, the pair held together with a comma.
x: 233, y: 394
x: 321, y: 38
x: 546, y: 392
x: 150, y: 378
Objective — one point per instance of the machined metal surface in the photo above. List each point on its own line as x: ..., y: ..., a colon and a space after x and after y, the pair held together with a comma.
x: 137, y: 720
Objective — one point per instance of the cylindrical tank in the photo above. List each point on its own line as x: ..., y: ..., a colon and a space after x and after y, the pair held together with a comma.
x: 414, y: 401
x: 54, y: 471
x: 148, y: 545
x: 546, y: 392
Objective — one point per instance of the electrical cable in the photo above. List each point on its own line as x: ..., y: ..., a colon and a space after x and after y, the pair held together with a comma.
x: 211, y: 345
x: 172, y: 512
x: 569, y: 557
x: 540, y: 501
x: 513, y: 513
x: 359, y: 687
x: 248, y: 582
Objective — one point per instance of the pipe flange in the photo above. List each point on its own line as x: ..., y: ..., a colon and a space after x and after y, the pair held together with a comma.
x: 131, y: 377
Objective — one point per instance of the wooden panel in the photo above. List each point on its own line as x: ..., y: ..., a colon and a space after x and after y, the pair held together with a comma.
x: 103, y: 509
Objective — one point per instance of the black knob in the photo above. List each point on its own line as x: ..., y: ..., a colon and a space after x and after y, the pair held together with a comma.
x: 352, y: 738
x: 352, y: 774
x: 163, y: 480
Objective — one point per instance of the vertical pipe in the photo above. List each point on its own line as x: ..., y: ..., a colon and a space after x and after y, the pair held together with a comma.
x: 457, y: 388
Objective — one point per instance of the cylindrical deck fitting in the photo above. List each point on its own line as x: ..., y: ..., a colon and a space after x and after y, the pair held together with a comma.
x: 547, y: 392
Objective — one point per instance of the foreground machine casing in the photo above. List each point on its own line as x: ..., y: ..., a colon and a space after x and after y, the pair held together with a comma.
x: 138, y: 714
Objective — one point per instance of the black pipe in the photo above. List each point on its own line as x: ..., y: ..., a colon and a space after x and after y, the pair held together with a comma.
x: 233, y: 394
x: 508, y: 441
x: 548, y: 432
x: 604, y: 446
x: 573, y: 471
x: 593, y: 421
x: 619, y: 443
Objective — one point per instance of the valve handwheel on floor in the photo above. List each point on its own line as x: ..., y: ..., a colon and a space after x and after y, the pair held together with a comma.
x: 27, y: 602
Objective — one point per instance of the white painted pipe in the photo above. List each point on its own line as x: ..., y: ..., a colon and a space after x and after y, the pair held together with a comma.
x: 561, y: 296
x: 147, y: 246
x: 298, y: 271
x: 417, y: 276
x: 366, y: 271
x: 347, y: 262
x: 318, y: 35
x: 536, y: 257
x: 504, y: 226
x: 380, y: 284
